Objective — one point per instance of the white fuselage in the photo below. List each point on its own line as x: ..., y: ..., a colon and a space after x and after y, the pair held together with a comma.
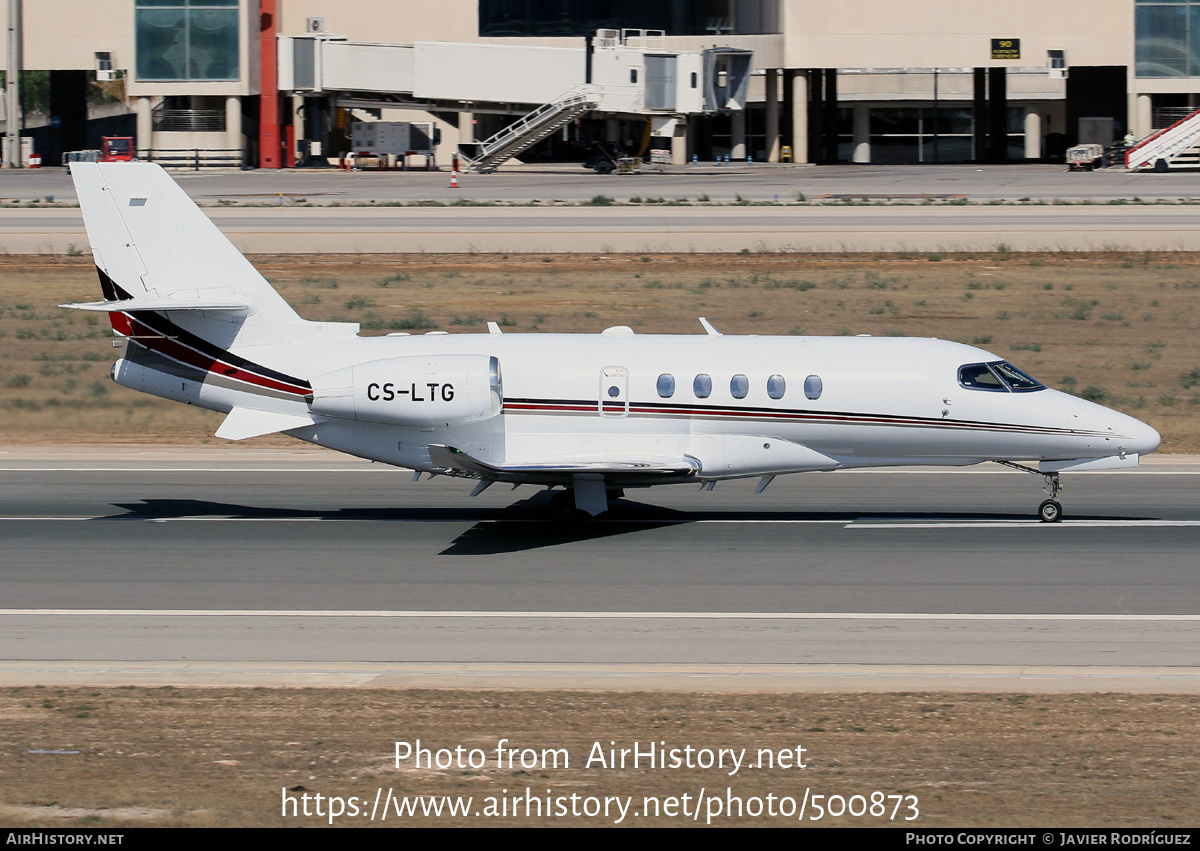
x: 592, y: 413
x: 881, y: 401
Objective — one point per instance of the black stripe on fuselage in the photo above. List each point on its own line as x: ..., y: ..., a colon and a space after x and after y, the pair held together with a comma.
x: 156, y: 321
x: 109, y: 287
x: 159, y: 323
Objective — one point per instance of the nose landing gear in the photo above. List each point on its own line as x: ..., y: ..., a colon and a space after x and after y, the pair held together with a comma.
x: 1050, y: 511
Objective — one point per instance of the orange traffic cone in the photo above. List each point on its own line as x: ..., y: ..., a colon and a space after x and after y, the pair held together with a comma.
x: 454, y: 179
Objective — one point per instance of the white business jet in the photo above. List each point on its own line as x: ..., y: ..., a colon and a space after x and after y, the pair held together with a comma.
x: 592, y: 414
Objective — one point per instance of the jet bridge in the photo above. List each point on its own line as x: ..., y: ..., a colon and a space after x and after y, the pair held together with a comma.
x: 622, y: 72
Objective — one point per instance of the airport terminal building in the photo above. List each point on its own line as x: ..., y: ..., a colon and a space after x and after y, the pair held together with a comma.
x: 276, y: 83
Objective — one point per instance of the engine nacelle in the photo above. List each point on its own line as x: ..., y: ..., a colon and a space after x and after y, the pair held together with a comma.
x: 128, y: 372
x: 434, y: 391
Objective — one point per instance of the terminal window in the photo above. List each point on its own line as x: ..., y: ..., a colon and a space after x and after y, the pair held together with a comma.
x: 584, y: 17
x: 1167, y: 38
x: 187, y: 40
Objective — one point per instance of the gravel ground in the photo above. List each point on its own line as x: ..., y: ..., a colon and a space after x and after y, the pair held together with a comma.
x: 234, y: 757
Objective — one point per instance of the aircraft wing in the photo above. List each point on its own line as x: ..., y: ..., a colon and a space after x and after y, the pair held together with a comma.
x: 616, y: 471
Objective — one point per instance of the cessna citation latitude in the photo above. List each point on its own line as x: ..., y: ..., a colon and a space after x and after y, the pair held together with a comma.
x: 591, y: 414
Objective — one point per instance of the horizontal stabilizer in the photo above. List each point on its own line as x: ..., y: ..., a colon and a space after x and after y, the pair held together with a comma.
x: 561, y: 470
x: 247, y: 422
x: 129, y: 304
x: 153, y: 246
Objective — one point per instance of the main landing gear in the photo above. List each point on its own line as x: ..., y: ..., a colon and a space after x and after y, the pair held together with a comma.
x: 1050, y: 511
x: 565, y: 510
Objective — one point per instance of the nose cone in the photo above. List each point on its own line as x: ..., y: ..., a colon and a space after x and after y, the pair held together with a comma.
x: 1148, y: 439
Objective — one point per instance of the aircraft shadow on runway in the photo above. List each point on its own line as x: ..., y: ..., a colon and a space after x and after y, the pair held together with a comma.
x: 200, y: 509
x: 526, y: 524
x: 506, y: 535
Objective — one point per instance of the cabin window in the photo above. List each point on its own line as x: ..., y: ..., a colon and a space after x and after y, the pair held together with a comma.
x: 702, y: 386
x: 813, y: 387
x: 614, y: 391
x: 776, y: 386
x: 977, y: 376
x: 739, y: 386
x: 666, y: 386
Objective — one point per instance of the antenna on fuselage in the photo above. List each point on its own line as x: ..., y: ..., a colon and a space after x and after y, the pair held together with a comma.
x: 709, y: 328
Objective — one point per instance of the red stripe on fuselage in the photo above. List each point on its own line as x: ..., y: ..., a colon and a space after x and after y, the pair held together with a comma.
x: 794, y: 416
x: 120, y: 323
x: 185, y: 354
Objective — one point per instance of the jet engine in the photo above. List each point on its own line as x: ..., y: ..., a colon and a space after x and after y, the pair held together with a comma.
x: 426, y: 392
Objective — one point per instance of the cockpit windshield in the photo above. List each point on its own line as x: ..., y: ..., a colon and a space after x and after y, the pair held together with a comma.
x: 998, y: 377
x: 977, y: 376
x: 1017, y: 380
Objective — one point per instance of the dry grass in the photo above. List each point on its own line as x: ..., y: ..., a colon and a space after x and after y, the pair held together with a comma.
x: 1119, y: 329
x: 207, y: 757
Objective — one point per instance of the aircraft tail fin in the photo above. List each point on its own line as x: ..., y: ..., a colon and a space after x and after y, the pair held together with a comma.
x: 156, y: 249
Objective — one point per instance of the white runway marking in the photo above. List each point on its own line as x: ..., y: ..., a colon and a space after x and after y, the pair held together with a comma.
x: 478, y: 615
x: 847, y: 523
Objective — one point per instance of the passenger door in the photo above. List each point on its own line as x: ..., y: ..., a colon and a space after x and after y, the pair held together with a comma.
x: 614, y: 392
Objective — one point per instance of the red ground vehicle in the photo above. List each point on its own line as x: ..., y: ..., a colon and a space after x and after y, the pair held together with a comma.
x: 116, y: 149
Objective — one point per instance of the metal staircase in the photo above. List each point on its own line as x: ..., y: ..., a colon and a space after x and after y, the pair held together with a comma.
x: 532, y: 128
x: 1170, y: 147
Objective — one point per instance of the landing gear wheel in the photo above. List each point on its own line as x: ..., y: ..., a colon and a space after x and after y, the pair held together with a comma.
x: 1050, y: 511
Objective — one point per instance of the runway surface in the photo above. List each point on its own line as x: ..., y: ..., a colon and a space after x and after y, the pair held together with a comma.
x: 278, y: 567
x: 302, y: 230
